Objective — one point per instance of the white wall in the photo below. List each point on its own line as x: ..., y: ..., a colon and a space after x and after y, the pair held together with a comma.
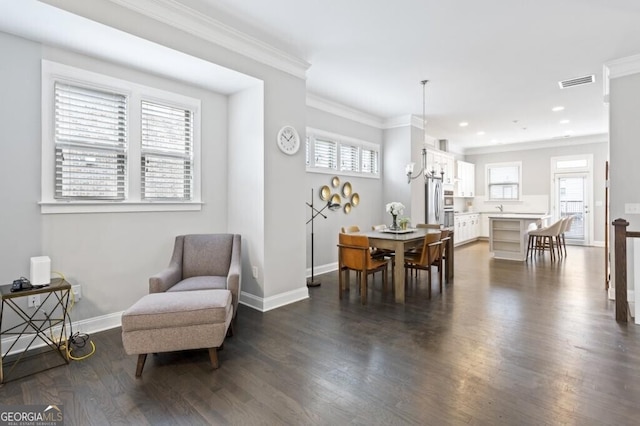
x: 369, y: 212
x: 398, y: 152
x: 246, y: 186
x: 20, y: 224
x: 624, y: 110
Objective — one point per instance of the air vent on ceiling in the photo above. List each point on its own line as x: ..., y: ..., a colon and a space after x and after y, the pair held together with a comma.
x: 579, y: 81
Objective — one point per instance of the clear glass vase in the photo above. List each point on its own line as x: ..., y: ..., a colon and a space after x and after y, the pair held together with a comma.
x: 394, y: 225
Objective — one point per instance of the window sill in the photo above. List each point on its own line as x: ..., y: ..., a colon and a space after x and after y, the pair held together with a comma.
x: 57, y: 207
x: 341, y: 172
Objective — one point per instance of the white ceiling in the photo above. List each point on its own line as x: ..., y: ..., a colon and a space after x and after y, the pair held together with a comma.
x: 494, y: 63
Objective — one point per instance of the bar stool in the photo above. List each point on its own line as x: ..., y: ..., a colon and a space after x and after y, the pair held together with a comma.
x: 542, y: 239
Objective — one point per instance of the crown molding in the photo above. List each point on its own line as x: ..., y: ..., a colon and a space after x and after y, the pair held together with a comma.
x: 317, y: 102
x: 186, y: 19
x: 541, y: 144
x: 402, y: 121
x: 623, y: 67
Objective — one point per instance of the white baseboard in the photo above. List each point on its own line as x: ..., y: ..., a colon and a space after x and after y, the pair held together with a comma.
x: 88, y: 326
x: 322, y: 269
x: 266, y: 304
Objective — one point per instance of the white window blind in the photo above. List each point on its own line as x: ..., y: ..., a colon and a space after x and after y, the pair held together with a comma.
x: 349, y: 158
x: 90, y: 143
x: 326, y: 154
x: 503, y: 182
x: 369, y: 161
x: 307, y: 150
x: 167, y: 152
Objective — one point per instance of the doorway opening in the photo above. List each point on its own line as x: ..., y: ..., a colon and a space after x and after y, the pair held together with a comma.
x: 571, y: 195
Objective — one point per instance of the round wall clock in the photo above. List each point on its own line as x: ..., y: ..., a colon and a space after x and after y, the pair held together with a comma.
x: 288, y: 140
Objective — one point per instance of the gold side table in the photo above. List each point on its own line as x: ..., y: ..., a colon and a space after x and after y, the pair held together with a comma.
x: 45, y: 323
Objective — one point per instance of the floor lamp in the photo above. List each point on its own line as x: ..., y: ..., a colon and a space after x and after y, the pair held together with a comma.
x: 315, y: 213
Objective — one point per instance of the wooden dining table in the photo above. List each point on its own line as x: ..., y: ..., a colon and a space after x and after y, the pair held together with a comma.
x: 399, y: 243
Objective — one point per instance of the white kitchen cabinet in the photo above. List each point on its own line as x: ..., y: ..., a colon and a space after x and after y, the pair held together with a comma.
x: 457, y: 230
x: 466, y: 228
x: 441, y: 161
x: 484, y: 225
x: 466, y: 179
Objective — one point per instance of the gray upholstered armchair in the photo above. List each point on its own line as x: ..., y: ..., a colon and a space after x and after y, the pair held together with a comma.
x: 202, y: 262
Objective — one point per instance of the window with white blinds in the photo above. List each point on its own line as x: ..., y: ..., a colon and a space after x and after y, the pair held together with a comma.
x: 325, y: 154
x: 111, y: 145
x: 503, y: 181
x: 349, y: 156
x: 167, y: 152
x: 90, y: 143
x: 330, y: 153
x: 369, y: 161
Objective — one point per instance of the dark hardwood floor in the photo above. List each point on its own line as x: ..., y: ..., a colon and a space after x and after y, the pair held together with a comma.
x: 507, y: 343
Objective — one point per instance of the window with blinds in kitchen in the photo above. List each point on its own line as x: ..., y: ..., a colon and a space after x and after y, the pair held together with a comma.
x: 503, y: 181
x: 114, y: 145
x: 331, y: 153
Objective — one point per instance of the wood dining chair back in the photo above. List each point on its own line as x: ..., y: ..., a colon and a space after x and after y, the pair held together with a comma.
x: 353, y: 229
x: 431, y: 253
x: 445, y: 237
x: 428, y: 225
x: 354, y: 254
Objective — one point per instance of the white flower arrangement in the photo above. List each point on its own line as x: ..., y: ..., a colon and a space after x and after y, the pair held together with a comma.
x: 395, y: 208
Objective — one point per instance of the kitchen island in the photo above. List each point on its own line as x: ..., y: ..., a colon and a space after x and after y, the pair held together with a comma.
x: 508, y: 233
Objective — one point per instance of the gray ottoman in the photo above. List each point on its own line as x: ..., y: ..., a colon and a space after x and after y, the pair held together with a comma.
x: 175, y: 321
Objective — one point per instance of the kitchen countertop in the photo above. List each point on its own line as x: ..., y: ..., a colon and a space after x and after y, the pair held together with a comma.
x: 519, y: 215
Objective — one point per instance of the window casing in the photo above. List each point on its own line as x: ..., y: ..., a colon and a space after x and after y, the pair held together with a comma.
x: 504, y: 181
x: 110, y: 145
x: 331, y: 153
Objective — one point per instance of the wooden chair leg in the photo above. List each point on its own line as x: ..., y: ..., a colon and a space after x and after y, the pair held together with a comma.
x: 363, y: 287
x: 213, y: 356
x: 141, y: 359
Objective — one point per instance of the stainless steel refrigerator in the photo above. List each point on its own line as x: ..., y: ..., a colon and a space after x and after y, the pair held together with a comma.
x: 433, y: 200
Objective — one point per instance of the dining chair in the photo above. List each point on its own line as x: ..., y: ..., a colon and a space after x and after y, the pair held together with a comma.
x: 566, y: 227
x: 431, y: 252
x: 415, y: 250
x: 354, y: 254
x: 445, y: 236
x: 543, y: 239
x: 428, y: 225
x: 378, y: 253
x: 353, y: 229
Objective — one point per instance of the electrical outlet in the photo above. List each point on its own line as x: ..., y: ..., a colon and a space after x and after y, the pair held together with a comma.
x: 632, y: 208
x: 255, y: 272
x: 77, y: 292
x: 33, y: 301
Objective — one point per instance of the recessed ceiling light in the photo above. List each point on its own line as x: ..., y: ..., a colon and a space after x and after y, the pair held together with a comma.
x: 463, y: 124
x: 480, y: 133
x: 557, y: 108
x: 494, y: 140
x: 564, y: 121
